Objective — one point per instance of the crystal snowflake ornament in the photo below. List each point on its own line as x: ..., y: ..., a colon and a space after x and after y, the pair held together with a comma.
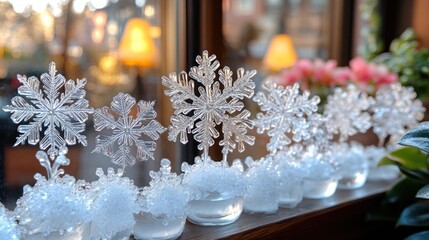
x: 347, y: 112
x: 42, y: 105
x: 285, y: 113
x: 165, y: 196
x: 217, y: 102
x: 114, y: 203
x: 395, y: 111
x: 8, y: 227
x: 127, y: 130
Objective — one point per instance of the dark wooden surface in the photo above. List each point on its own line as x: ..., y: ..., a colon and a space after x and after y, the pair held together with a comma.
x: 340, y: 216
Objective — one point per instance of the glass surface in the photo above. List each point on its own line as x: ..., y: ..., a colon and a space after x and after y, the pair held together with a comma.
x: 83, y: 39
x: 149, y: 227
x: 249, y: 25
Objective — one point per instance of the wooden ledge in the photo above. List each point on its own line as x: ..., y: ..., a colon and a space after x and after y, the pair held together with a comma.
x: 340, y: 216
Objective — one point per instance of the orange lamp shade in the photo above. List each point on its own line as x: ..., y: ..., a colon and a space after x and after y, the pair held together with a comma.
x: 280, y: 54
x: 137, y: 47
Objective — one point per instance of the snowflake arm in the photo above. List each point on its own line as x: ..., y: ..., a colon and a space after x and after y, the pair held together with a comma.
x: 235, y: 132
x: 284, y: 112
x: 46, y: 108
x: 127, y: 131
x: 199, y: 112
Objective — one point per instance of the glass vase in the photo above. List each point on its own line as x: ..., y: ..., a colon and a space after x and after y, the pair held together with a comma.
x: 215, y: 210
x: 353, y: 170
x: 150, y: 227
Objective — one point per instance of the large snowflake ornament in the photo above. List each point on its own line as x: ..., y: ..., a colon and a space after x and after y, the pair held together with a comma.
x: 127, y: 131
x: 347, y: 112
x: 395, y: 111
x: 215, y: 104
x: 285, y: 114
x: 44, y: 107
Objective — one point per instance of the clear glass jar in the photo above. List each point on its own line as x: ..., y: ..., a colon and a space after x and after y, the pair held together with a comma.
x: 150, y: 227
x: 215, y: 210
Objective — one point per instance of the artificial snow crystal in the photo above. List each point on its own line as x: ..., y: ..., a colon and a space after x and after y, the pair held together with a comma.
x: 347, y: 112
x: 42, y: 105
x: 217, y: 102
x: 284, y: 114
x: 53, y: 205
x: 127, y: 130
x: 114, y: 203
x: 395, y: 111
x: 207, y: 176
x: 165, y: 196
x: 8, y: 228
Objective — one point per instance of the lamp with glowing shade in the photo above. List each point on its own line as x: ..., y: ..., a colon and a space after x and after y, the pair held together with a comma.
x: 280, y: 54
x: 137, y: 47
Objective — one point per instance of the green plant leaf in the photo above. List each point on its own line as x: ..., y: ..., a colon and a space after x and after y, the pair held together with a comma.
x: 420, y: 175
x: 417, y: 137
x: 416, y: 215
x: 419, y: 236
x: 408, y: 157
x: 404, y: 191
x: 423, y: 192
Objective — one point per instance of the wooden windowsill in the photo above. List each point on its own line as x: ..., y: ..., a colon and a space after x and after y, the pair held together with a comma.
x: 340, y: 216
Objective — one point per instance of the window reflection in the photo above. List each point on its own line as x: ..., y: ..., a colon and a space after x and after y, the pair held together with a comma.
x: 83, y: 38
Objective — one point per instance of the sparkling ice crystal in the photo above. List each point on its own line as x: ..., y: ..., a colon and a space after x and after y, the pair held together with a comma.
x: 127, y: 131
x: 8, y: 228
x: 47, y: 108
x: 396, y: 110
x: 285, y: 112
x: 212, y: 106
x: 347, y: 112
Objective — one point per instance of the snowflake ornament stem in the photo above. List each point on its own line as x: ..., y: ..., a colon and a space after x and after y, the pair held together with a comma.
x: 200, y: 114
x: 47, y: 108
x: 127, y: 131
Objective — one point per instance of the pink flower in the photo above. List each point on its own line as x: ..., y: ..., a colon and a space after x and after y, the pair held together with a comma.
x: 342, y: 75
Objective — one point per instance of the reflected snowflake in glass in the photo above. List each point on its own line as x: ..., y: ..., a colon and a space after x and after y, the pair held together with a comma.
x: 347, y: 112
x: 285, y: 113
x: 212, y: 106
x: 47, y: 108
x: 127, y: 131
x: 395, y: 111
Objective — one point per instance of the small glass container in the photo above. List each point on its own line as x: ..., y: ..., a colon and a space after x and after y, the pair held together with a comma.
x: 151, y: 227
x: 215, y: 210
x: 290, y: 183
x: 321, y: 180
x: 352, y: 168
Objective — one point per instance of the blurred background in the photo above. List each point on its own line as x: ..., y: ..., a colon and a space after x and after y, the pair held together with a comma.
x: 96, y: 40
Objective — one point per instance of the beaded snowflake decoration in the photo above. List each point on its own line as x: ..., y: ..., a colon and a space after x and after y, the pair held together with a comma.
x: 127, y: 130
x: 285, y: 114
x: 217, y: 102
x: 395, y: 111
x: 347, y: 113
x: 44, y: 107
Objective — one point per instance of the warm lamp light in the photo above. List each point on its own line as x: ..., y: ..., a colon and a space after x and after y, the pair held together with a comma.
x: 137, y: 47
x: 281, y: 53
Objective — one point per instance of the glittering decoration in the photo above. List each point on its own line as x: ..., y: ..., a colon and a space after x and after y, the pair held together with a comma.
x: 114, y: 204
x: 284, y: 114
x: 216, y: 103
x: 165, y: 196
x: 395, y: 111
x: 207, y: 176
x: 347, y: 112
x: 54, y: 205
x: 8, y: 228
x: 127, y: 131
x: 44, y: 107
